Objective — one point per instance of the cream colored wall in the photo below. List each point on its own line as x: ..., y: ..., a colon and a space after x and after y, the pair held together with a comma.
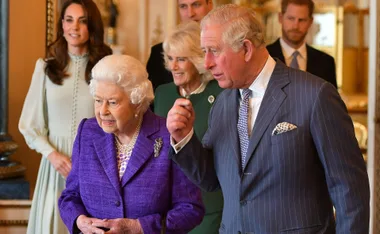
x: 142, y: 24
x: 127, y: 26
x: 26, y: 44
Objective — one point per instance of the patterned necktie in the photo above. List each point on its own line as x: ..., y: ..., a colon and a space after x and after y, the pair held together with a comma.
x: 294, y: 63
x: 242, y: 125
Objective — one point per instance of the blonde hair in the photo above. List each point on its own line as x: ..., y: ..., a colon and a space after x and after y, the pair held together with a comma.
x: 185, y: 41
x: 128, y: 73
x: 240, y: 24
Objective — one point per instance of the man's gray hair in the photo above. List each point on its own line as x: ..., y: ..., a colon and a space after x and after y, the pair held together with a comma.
x: 238, y: 22
x: 128, y: 73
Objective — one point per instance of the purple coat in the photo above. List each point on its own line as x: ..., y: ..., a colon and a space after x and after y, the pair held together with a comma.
x: 152, y: 187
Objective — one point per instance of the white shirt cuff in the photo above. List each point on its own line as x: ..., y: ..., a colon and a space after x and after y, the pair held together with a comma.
x: 177, y: 147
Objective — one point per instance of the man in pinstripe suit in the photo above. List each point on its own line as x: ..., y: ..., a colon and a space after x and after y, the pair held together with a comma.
x: 302, y: 157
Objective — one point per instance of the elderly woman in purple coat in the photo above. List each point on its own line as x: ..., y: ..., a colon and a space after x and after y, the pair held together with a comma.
x: 122, y: 180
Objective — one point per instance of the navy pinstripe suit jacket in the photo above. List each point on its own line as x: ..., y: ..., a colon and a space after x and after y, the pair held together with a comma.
x: 292, y: 180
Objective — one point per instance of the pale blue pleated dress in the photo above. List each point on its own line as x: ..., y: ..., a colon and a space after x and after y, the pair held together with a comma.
x: 49, y: 122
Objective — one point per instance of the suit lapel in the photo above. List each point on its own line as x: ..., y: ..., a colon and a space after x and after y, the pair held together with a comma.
x: 106, y: 152
x: 143, y: 150
x: 232, y: 107
x: 272, y: 100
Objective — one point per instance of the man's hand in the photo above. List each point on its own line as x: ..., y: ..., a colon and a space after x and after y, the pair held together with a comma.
x: 60, y: 162
x: 117, y: 226
x: 180, y: 119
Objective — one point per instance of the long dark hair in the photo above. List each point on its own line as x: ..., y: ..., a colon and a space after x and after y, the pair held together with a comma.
x: 58, y: 58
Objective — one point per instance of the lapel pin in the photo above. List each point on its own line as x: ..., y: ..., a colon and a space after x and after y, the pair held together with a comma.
x: 211, y: 99
x: 157, y: 146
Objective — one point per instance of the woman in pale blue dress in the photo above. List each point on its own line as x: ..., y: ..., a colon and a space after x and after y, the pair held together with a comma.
x: 57, y: 100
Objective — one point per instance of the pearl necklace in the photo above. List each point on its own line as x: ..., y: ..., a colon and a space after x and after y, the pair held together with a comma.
x: 124, y: 152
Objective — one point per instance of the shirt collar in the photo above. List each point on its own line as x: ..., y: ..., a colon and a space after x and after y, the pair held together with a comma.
x: 198, y: 90
x: 288, y: 50
x: 260, y: 84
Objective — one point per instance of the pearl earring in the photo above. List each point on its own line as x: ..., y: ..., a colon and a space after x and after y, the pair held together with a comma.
x: 136, y: 115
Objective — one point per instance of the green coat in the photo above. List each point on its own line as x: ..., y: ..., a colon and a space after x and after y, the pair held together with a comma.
x: 165, y: 97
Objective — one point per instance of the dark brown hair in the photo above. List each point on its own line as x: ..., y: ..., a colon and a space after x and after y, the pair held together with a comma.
x: 57, y: 57
x: 308, y: 3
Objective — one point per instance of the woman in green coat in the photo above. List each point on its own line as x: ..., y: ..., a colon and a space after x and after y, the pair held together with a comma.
x: 184, y: 58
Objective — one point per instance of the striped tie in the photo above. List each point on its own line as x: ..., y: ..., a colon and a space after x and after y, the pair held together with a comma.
x: 294, y: 63
x: 242, y: 125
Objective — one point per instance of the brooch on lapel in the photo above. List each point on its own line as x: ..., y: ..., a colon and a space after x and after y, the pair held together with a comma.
x: 211, y: 99
x: 157, y: 146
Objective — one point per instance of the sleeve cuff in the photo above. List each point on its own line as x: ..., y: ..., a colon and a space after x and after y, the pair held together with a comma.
x: 177, y: 147
x: 43, y: 146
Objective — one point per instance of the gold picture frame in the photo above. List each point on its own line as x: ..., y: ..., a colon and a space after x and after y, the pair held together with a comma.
x: 52, y: 14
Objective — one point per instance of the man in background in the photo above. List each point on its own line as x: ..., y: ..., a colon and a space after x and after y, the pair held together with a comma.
x: 295, y: 18
x: 188, y: 10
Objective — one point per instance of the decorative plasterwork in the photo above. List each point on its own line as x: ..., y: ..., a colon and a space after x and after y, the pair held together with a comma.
x: 14, y: 212
x: 50, y: 14
x: 13, y: 222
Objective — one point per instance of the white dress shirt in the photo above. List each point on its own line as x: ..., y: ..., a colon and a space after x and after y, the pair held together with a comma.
x: 288, y: 51
x: 258, y: 87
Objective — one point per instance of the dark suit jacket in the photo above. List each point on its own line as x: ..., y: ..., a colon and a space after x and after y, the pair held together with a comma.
x: 155, y: 67
x: 318, y: 62
x: 292, y: 180
x: 151, y: 187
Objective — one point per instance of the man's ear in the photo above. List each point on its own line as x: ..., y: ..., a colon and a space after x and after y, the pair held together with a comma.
x: 210, y: 5
x: 248, y: 48
x: 310, y: 23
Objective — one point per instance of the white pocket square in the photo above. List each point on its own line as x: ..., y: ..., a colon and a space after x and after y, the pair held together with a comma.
x: 283, y: 127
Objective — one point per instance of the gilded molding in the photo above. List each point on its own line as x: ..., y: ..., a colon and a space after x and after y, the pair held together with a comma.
x: 50, y: 14
x: 14, y: 205
x: 18, y: 222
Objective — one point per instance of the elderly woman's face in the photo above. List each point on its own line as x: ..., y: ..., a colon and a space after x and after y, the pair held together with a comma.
x: 183, y: 70
x: 113, y: 109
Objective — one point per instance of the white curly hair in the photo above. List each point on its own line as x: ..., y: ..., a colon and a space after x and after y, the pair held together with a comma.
x: 128, y: 73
